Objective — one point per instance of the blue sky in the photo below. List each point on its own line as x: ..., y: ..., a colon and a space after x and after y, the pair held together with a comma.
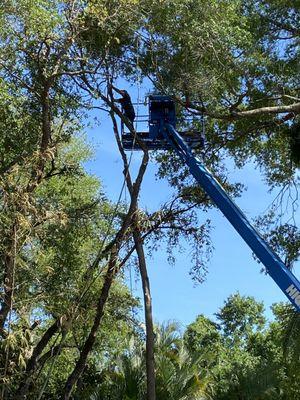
x: 232, y: 267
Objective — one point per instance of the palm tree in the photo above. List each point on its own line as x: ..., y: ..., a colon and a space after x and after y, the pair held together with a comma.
x: 125, y: 377
x: 179, y: 376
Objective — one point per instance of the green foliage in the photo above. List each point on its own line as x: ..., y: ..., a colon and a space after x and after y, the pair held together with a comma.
x: 202, y: 335
x: 241, y: 316
x: 65, y: 223
x: 246, y: 357
x: 109, y: 27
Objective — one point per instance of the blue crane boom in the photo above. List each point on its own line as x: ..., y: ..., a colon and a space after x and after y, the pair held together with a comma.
x: 275, y: 267
x: 163, y: 133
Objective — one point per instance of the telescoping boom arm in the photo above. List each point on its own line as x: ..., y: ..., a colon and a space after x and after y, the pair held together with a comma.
x: 275, y: 267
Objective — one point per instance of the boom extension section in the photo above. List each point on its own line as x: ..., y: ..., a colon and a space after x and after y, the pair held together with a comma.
x: 275, y: 267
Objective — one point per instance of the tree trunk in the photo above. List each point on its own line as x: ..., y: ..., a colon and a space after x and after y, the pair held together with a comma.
x: 9, y: 273
x: 46, y: 118
x: 150, y: 366
x: 89, y: 343
x: 33, y: 361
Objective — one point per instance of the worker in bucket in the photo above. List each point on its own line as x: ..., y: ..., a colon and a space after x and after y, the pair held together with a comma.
x: 126, y: 104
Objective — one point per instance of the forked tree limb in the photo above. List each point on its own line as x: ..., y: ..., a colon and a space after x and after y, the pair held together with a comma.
x: 112, y: 271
